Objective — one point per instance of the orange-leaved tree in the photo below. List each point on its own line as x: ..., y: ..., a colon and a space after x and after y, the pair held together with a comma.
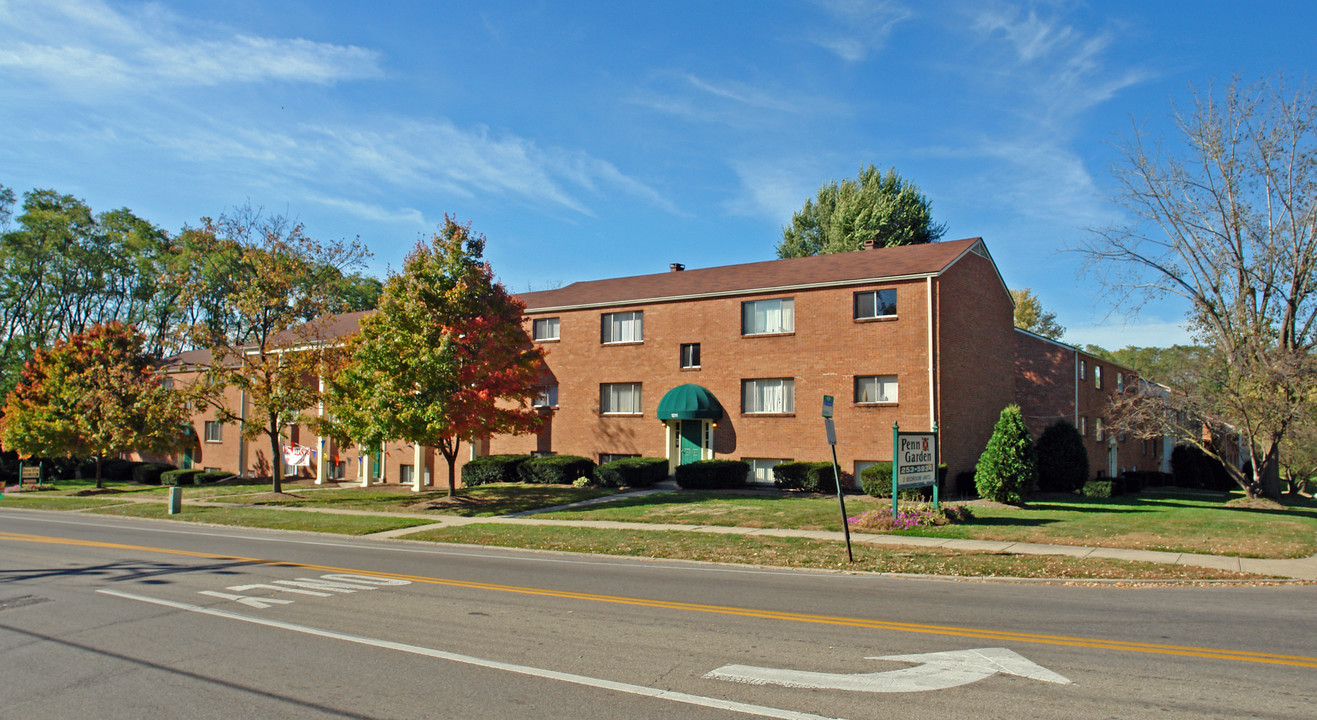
x: 445, y: 360
x: 94, y: 395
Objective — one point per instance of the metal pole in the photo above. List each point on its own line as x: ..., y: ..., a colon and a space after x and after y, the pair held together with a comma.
x: 896, y: 432
x: 937, y: 469
x: 845, y: 526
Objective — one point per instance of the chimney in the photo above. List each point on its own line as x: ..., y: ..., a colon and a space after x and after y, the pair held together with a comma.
x: 871, y: 243
x: 676, y: 267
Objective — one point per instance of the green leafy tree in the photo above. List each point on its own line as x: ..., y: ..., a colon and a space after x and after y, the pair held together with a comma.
x: 1062, y: 458
x: 1008, y: 467
x: 1226, y: 218
x: 1030, y: 315
x: 267, y: 290
x: 880, y: 206
x: 93, y: 395
x: 445, y: 360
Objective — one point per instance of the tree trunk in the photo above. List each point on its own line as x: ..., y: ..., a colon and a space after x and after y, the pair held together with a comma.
x: 1268, y: 474
x: 276, y: 466
x: 449, y: 451
x: 99, y: 483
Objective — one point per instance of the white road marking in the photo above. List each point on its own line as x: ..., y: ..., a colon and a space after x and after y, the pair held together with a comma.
x: 641, y: 690
x: 935, y: 671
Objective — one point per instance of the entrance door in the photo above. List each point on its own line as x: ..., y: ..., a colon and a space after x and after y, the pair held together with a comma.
x: 692, y: 435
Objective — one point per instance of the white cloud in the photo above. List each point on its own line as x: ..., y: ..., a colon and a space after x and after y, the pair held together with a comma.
x: 100, y: 49
x: 774, y: 189
x: 737, y: 104
x: 859, y: 26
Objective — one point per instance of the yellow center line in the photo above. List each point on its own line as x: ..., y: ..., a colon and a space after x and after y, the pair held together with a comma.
x: 977, y: 633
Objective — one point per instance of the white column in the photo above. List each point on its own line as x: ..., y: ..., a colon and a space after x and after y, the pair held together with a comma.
x: 418, y: 472
x: 320, y: 440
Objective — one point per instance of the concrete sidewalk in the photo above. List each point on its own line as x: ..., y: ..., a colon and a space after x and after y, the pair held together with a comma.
x: 1297, y: 568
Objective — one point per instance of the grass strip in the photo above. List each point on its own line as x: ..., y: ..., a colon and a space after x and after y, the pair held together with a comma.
x: 43, y: 501
x: 808, y: 553
x: 480, y: 501
x: 270, y: 519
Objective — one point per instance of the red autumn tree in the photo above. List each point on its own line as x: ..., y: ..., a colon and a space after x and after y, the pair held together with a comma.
x: 445, y: 360
x: 94, y: 395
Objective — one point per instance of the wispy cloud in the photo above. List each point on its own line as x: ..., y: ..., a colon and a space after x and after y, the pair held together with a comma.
x: 774, y: 188
x: 729, y: 102
x: 857, y: 27
x: 88, y: 46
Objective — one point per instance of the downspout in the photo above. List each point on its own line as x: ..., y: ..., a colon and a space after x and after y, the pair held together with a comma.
x: 1074, y: 375
x: 932, y: 385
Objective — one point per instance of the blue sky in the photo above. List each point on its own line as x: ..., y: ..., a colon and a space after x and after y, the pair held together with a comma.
x: 602, y: 139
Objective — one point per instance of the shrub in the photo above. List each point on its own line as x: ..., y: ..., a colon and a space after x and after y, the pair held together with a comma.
x: 1008, y: 466
x: 922, y: 515
x: 186, y: 476
x: 116, y: 469
x: 1100, y: 489
x: 555, y: 469
x: 211, y: 476
x: 149, y: 473
x: 492, y: 469
x: 631, y: 472
x: 876, y: 480
x: 815, y: 477
x: 712, y: 474
x: 1062, y: 459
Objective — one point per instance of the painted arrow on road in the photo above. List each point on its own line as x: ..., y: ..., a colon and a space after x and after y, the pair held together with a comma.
x: 935, y: 671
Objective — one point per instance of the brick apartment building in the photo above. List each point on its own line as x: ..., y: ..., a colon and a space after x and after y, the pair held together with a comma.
x: 734, y: 362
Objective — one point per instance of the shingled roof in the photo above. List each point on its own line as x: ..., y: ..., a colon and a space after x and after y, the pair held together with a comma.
x: 834, y: 269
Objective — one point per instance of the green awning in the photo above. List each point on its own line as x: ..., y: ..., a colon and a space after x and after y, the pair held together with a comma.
x: 689, y: 402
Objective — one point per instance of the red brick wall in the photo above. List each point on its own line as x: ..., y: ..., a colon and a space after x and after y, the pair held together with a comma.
x: 976, y: 360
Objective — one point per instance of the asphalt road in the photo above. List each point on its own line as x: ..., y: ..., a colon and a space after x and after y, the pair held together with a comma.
x: 118, y: 618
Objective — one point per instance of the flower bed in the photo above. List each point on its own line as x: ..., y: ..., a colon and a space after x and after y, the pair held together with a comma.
x: 913, y: 516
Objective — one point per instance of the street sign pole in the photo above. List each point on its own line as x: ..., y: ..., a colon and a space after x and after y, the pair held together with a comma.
x: 836, y: 472
x: 937, y: 459
x: 896, y: 434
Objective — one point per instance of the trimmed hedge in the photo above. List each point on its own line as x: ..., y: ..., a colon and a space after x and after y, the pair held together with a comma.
x: 555, y: 469
x: 712, y: 475
x: 1101, y: 489
x: 149, y: 473
x: 814, y: 477
x: 493, y: 469
x: 631, y: 472
x: 187, y: 476
x: 876, y: 480
x: 211, y: 476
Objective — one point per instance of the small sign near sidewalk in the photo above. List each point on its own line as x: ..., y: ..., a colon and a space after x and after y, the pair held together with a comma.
x: 914, y: 462
x: 836, y: 471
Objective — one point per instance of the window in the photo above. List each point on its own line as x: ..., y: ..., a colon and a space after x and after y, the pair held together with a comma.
x: 690, y: 356
x: 610, y: 457
x: 1083, y: 369
x: 406, y: 474
x: 1120, y: 382
x: 875, y: 304
x: 548, y: 397
x: 1097, y: 429
x: 1097, y: 376
x: 761, y: 470
x: 774, y: 395
x: 167, y: 383
x: 214, y: 431
x: 544, y: 329
x: 211, y: 470
x: 623, y: 327
x: 338, y: 469
x: 1083, y: 425
x: 619, y: 398
x: 875, y: 388
x: 762, y: 317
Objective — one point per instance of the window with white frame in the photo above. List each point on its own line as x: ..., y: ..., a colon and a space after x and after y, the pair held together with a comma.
x: 1120, y: 382
x: 610, y: 457
x: 214, y: 431
x: 771, y: 395
x: 1097, y: 376
x: 1083, y: 425
x: 623, y: 327
x: 1083, y: 369
x: 690, y: 356
x: 548, y: 397
x: 875, y: 388
x: 765, y: 317
x: 544, y: 329
x: 1098, y: 432
x: 619, y: 398
x: 406, y: 474
x: 761, y: 470
x: 871, y: 304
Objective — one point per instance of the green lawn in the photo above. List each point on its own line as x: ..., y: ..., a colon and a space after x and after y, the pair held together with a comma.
x: 268, y: 518
x: 481, y: 501
x: 806, y: 553
x: 1195, y: 523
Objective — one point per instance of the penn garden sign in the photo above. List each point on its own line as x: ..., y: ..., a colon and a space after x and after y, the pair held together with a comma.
x: 914, y: 462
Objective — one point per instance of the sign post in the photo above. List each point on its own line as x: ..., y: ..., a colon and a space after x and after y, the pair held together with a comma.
x: 914, y: 462
x: 836, y: 472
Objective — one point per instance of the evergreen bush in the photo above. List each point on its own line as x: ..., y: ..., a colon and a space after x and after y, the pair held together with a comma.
x: 149, y: 473
x: 712, y: 474
x: 1008, y: 466
x: 631, y: 472
x: 555, y: 469
x: 1062, y: 459
x: 492, y: 469
x: 187, y: 476
x: 876, y: 480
